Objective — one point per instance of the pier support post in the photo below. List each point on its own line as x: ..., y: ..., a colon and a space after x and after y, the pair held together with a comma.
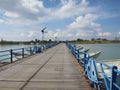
x: 85, y: 57
x: 113, y: 78
x: 78, y: 52
x: 30, y: 51
x: 22, y: 52
x: 11, y: 55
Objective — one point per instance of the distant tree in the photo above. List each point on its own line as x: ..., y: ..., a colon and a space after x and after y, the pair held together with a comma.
x: 79, y: 40
x: 50, y: 40
x: 36, y: 40
x: 93, y: 39
x: 104, y: 39
x: 98, y: 39
x: 31, y: 41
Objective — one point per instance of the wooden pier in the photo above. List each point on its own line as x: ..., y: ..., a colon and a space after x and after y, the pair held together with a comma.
x: 54, y: 69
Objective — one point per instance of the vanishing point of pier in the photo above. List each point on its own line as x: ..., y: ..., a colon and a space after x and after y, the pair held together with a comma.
x: 54, y: 69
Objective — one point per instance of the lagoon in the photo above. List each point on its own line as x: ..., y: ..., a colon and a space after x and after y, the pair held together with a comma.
x: 8, y: 47
x: 108, y: 51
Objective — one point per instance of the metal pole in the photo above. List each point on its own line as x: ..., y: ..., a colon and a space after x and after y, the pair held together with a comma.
x: 42, y: 37
x: 43, y: 31
x: 22, y: 52
x: 11, y: 55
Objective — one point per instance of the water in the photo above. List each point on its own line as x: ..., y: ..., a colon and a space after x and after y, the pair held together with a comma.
x: 6, y: 57
x: 8, y: 47
x: 108, y: 51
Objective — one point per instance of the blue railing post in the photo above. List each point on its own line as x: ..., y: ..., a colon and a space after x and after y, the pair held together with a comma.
x: 113, y: 78
x: 78, y: 52
x: 30, y: 51
x: 85, y: 57
x: 22, y: 52
x: 11, y: 55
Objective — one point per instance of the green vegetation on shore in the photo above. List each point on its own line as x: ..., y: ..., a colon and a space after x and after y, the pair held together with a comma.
x: 94, y: 41
x: 4, y: 42
x: 78, y: 41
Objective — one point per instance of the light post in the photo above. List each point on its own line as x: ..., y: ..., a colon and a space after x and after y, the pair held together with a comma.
x: 43, y: 31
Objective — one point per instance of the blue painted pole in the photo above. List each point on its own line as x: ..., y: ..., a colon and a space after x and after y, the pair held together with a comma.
x: 30, y: 51
x: 22, y: 52
x: 113, y: 78
x: 78, y: 55
x: 85, y: 57
x: 11, y: 55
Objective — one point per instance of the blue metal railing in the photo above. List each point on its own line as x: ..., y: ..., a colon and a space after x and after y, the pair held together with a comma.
x: 20, y: 53
x: 110, y: 80
x: 107, y: 82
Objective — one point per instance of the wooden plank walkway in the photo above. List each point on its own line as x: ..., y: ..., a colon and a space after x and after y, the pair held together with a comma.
x: 54, y: 69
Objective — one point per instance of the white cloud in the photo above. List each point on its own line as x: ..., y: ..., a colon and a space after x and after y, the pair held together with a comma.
x: 32, y: 12
x: 1, y: 21
x: 85, y: 26
x: 86, y: 21
x: 10, y: 14
x: 71, y: 8
x: 22, y: 34
x: 33, y: 5
x: 104, y: 34
x: 31, y: 34
x: 119, y: 33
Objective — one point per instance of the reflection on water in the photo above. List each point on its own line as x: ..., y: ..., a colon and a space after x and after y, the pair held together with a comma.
x: 109, y: 51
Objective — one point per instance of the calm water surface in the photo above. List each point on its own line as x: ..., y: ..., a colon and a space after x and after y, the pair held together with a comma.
x: 8, y: 47
x: 108, y: 51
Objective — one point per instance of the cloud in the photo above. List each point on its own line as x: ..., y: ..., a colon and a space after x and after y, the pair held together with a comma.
x: 71, y: 8
x: 31, y: 34
x: 104, y: 34
x: 28, y: 13
x: 10, y: 14
x: 85, y: 26
x: 119, y: 33
x: 22, y: 35
x: 86, y: 21
x: 1, y: 21
x: 23, y: 10
x: 34, y: 11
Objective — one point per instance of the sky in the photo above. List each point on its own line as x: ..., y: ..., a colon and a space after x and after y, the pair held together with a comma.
x: 22, y: 20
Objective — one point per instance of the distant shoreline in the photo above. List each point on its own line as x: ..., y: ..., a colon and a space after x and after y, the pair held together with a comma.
x: 94, y: 42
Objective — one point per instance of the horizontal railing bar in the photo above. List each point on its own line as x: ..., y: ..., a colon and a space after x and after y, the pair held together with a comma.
x: 118, y: 72
x: 4, y: 55
x: 106, y: 65
x: 116, y: 86
x: 5, y: 59
x: 4, y: 51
